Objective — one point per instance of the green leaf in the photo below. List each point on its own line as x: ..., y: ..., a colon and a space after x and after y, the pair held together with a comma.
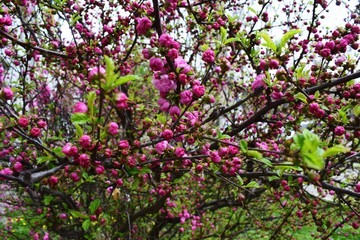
x: 86, y: 224
x: 317, y: 94
x: 343, y: 116
x: 335, y: 150
x: 287, y: 36
x: 301, y: 96
x: 254, y: 154
x: 58, y: 152
x: 90, y: 102
x: 124, y: 79
x: 79, y: 130
x: 80, y: 118
x: 266, y: 161
x: 77, y: 214
x: 94, y: 205
x: 252, y: 10
x: 310, y: 152
x: 269, y: 42
x: 241, y: 181
x: 230, y: 40
x: 44, y: 159
x: 204, y: 47
x: 357, y: 110
x: 243, y: 146
x: 223, y: 34
x: 252, y: 184
x: 48, y: 199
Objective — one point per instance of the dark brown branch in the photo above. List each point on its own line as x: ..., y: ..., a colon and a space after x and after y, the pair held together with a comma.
x: 28, y: 45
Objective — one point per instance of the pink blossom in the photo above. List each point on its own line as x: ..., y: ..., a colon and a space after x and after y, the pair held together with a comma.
x: 156, y: 64
x: 208, y: 56
x: 164, y: 104
x: 95, y: 72
x: 17, y: 167
x: 274, y: 64
x: 172, y: 53
x: 167, y: 134
x: 41, y: 124
x: 277, y: 95
x: 113, y: 128
x: 339, y: 130
x: 6, y: 171
x: 53, y: 180
x: 23, y: 122
x: 121, y: 100
x: 215, y: 157
x: 175, y: 111
x: 85, y: 141
x: 259, y: 83
x: 124, y: 144
x: 99, y: 169
x: 325, y: 52
x: 146, y: 53
x: 62, y: 216
x: 144, y: 24
x: 179, y: 152
x: 161, y: 147
x: 182, y: 66
x: 198, y: 90
x: 80, y: 107
x: 84, y: 160
x: 7, y: 93
x: 74, y: 177
x: 35, y: 132
x: 164, y: 84
x: 165, y: 40
x: 186, y: 97
x: 70, y: 150
x: 262, y: 64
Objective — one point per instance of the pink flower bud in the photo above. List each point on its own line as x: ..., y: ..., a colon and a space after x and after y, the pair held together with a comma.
x: 23, y: 122
x: 113, y: 128
x: 156, y: 64
x: 124, y: 144
x: 7, y: 93
x: 167, y: 134
x: 41, y: 124
x: 85, y: 141
x: 53, y: 180
x: 80, y: 107
x: 35, y: 132
x: 161, y: 147
x: 95, y: 72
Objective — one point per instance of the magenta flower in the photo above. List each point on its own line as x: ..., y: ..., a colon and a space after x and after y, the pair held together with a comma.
x: 124, y: 144
x: 99, y: 169
x: 23, y: 122
x: 167, y: 134
x: 7, y: 93
x: 164, y: 84
x: 161, y: 147
x: 274, y: 64
x: 174, y: 111
x: 186, y: 97
x: 144, y: 24
x: 95, y: 72
x: 179, y: 152
x: 121, y: 100
x: 35, y: 132
x: 113, y: 128
x: 165, y: 40
x: 85, y: 141
x: 208, y: 56
x: 339, y: 130
x: 146, y: 53
x: 259, y: 82
x: 262, y: 64
x: 53, y: 180
x: 84, y: 160
x: 156, y: 64
x: 17, y: 167
x: 80, y: 107
x: 215, y: 157
x: 41, y: 124
x: 163, y: 104
x: 198, y: 90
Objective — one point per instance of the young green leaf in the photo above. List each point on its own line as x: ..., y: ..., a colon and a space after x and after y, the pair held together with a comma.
x: 80, y: 118
x: 86, y: 224
x: 287, y: 36
x: 269, y: 42
x: 335, y: 150
x: 90, y: 102
x: 94, y: 205
x: 300, y: 96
